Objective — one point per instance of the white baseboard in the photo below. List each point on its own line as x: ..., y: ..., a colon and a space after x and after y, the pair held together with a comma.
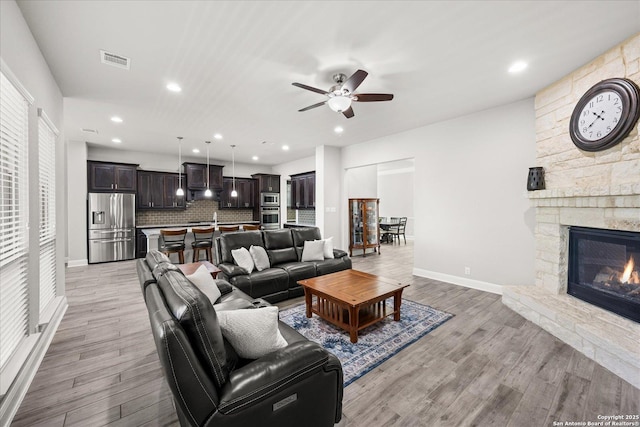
x: 77, y: 263
x: 460, y: 281
x: 17, y: 391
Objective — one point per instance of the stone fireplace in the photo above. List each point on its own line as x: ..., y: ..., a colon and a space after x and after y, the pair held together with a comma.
x: 595, y: 190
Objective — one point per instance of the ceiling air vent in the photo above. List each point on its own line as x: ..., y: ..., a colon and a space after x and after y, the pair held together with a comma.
x: 115, y: 60
x: 87, y: 130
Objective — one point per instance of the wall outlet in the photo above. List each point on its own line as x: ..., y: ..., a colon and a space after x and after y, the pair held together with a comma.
x: 467, y: 271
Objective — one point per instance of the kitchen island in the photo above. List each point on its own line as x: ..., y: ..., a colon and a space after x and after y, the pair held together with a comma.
x: 152, y: 233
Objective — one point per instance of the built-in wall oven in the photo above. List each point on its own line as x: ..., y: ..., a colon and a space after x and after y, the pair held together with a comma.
x: 270, y: 217
x: 270, y: 199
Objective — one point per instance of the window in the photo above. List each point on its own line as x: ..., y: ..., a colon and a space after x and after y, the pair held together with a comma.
x: 47, y: 133
x: 14, y: 298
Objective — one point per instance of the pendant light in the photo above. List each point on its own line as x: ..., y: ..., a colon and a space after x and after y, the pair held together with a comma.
x: 207, y: 193
x: 179, y: 191
x: 234, y: 193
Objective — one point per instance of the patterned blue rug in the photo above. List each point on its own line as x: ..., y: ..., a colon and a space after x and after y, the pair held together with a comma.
x: 376, y: 343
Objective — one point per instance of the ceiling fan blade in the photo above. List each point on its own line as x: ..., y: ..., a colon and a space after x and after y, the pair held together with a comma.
x: 355, y: 80
x: 312, y: 89
x: 371, y: 97
x: 313, y: 106
x: 348, y: 113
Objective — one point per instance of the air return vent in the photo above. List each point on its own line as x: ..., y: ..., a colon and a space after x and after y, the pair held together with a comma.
x: 115, y: 60
x: 87, y: 130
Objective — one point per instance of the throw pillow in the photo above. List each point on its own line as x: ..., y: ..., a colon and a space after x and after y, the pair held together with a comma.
x: 260, y: 257
x: 328, y: 247
x: 203, y: 281
x: 242, y: 258
x: 252, y: 332
x: 313, y: 250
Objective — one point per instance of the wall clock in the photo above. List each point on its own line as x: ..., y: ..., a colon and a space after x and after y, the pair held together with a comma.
x: 605, y: 114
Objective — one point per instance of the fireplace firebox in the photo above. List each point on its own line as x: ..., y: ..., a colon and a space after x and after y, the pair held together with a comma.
x: 604, y: 269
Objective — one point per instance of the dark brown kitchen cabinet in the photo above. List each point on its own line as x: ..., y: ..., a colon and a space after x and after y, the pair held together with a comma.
x: 267, y: 183
x: 107, y: 177
x: 171, y: 184
x: 157, y: 190
x: 141, y: 244
x: 303, y: 190
x: 246, y: 193
x: 196, y: 174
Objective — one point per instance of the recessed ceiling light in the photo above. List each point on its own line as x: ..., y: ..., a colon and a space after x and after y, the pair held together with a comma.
x: 217, y: 136
x: 116, y: 140
x: 116, y: 119
x: 173, y: 87
x: 285, y: 147
x: 255, y: 158
x: 338, y: 129
x: 518, y: 66
x: 195, y: 150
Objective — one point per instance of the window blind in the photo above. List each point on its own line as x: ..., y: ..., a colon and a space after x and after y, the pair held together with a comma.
x: 47, y: 134
x: 14, y: 298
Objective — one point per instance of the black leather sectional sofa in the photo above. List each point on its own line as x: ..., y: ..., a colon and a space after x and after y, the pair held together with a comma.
x: 284, y: 248
x: 300, y: 384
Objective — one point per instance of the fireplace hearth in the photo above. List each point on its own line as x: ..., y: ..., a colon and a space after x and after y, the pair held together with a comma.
x: 604, y: 269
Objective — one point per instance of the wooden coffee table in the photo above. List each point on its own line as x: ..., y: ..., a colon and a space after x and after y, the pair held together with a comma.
x: 191, y: 268
x: 351, y: 299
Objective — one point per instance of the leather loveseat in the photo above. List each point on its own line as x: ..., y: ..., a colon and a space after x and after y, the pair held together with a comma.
x: 284, y: 247
x: 300, y: 384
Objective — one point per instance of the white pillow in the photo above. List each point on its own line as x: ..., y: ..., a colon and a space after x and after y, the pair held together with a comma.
x: 252, y: 332
x: 242, y: 258
x: 313, y: 250
x: 328, y: 247
x: 202, y: 279
x: 260, y: 257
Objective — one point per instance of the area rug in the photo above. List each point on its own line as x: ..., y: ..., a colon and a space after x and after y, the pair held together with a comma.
x: 376, y: 343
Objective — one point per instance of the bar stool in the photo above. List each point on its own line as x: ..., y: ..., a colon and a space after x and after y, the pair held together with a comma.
x: 202, y: 241
x: 251, y: 227
x: 228, y: 228
x: 173, y: 242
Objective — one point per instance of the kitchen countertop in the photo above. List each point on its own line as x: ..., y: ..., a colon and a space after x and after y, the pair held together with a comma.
x: 195, y: 224
x: 298, y: 224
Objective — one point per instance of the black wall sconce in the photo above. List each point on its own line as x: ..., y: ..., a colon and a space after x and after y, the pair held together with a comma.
x: 535, y: 181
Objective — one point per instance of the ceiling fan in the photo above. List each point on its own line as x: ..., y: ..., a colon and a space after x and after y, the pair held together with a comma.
x: 342, y: 93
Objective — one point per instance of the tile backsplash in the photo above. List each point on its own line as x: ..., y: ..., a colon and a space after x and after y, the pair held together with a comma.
x: 307, y: 216
x: 199, y: 210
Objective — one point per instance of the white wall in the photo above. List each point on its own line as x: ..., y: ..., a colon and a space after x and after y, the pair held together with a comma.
x: 329, y: 203
x: 471, y: 208
x: 362, y: 182
x: 77, y: 204
x: 395, y: 191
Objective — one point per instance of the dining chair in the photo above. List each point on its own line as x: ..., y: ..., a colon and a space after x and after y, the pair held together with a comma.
x: 399, y: 230
x: 251, y: 227
x: 172, y: 241
x: 228, y: 228
x: 202, y: 241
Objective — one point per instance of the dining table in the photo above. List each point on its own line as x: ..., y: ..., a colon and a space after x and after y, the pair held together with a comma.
x: 385, y: 226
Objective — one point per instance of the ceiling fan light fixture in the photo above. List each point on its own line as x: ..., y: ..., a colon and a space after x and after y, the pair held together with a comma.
x: 339, y: 103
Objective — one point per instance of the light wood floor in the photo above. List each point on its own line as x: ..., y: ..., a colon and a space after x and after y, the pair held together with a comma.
x: 486, y: 366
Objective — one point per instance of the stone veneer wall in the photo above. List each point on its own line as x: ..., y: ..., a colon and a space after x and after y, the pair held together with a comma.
x: 599, y: 190
x: 199, y: 210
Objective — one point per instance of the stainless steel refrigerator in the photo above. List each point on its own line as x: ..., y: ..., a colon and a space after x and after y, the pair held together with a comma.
x: 112, y: 222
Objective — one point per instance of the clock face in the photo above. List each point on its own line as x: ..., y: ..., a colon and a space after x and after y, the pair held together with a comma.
x: 605, y: 114
x: 600, y: 116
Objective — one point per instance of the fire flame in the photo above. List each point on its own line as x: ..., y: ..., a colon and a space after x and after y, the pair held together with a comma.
x: 628, y: 269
